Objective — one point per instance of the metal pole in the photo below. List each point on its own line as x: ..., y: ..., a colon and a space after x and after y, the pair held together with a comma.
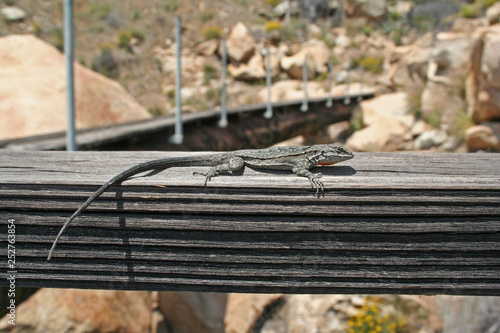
x: 269, y: 109
x: 347, y: 99
x: 304, y: 106
x: 223, y: 109
x: 360, y: 97
x: 178, y: 137
x: 287, y: 11
x: 329, y: 101
x: 70, y: 87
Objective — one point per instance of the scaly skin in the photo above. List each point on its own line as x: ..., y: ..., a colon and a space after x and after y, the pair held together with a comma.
x: 298, y: 159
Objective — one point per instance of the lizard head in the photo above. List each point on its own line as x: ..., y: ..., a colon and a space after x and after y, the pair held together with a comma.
x: 331, y: 154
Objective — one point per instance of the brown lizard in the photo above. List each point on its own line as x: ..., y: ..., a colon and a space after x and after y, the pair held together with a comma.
x: 298, y: 159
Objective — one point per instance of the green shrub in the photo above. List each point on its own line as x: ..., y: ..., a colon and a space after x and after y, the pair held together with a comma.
x: 273, y: 26
x: 214, y: 95
x: 137, y: 34
x: 102, y: 11
x: 212, y: 33
x: 372, y: 64
x: 105, y: 63
x: 470, y: 11
x: 155, y: 110
x: 206, y: 16
x: 209, y: 73
x: 37, y: 29
x: 486, y: 3
x: 461, y: 123
x: 171, y: 6
x: 57, y: 38
x: 273, y: 3
x: 371, y: 319
x: 124, y: 38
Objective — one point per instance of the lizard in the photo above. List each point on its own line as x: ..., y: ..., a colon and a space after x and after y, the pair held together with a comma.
x: 298, y: 159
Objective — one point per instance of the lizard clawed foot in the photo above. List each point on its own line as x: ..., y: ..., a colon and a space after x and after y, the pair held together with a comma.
x: 317, y: 184
x: 208, y: 176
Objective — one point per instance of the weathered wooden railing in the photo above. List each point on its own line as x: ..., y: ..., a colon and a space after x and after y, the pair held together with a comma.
x: 407, y: 223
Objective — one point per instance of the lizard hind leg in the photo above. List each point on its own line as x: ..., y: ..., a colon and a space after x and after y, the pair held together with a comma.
x: 233, y: 164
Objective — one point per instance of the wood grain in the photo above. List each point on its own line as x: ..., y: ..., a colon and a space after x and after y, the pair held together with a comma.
x: 406, y: 223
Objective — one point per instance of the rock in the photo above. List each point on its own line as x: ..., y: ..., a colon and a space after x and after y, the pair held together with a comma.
x: 314, y: 31
x: 483, y: 75
x: 319, y: 51
x: 393, y: 106
x: 409, y: 65
x: 84, y: 311
x: 207, y: 48
x: 339, y: 132
x: 244, y: 310
x: 429, y: 139
x: 293, y: 65
x: 13, y: 13
x: 420, y: 127
x: 483, y: 137
x: 193, y: 312
x: 388, y: 124
x: 281, y: 9
x: 30, y: 62
x: 389, y: 136
x: 493, y: 13
x: 253, y: 71
x: 441, y: 103
x: 370, y: 9
x: 450, y: 55
x: 289, y: 90
x: 403, y: 7
x: 240, y: 44
x: 465, y: 25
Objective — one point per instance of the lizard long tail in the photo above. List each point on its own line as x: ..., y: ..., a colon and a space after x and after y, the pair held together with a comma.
x: 159, y: 164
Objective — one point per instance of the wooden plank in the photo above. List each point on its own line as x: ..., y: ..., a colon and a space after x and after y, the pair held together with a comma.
x: 407, y: 223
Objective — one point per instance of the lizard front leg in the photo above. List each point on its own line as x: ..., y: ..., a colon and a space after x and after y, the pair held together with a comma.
x: 233, y: 164
x: 302, y: 171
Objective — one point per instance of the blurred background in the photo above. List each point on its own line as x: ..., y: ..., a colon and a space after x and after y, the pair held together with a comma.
x: 431, y: 69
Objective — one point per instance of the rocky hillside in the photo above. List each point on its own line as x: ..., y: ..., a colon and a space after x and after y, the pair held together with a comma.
x: 434, y: 62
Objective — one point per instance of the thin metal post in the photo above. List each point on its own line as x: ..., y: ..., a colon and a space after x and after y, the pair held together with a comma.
x: 70, y: 86
x: 269, y: 109
x: 329, y: 101
x: 360, y: 96
x: 178, y: 136
x: 305, y: 105
x: 223, y: 109
x: 347, y: 99
x: 287, y: 11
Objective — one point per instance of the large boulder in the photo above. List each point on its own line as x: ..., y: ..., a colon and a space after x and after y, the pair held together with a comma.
x: 254, y: 70
x: 388, y: 124
x: 84, y: 311
x: 293, y: 65
x: 493, y: 13
x: 240, y: 44
x: 193, y: 312
x: 483, y: 76
x: 409, y: 65
x: 371, y: 9
x: 33, y: 96
x: 319, y: 51
x: 244, y: 310
x: 483, y: 137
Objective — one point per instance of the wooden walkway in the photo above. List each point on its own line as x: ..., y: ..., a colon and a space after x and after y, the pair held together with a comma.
x: 247, y: 129
x: 403, y: 223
